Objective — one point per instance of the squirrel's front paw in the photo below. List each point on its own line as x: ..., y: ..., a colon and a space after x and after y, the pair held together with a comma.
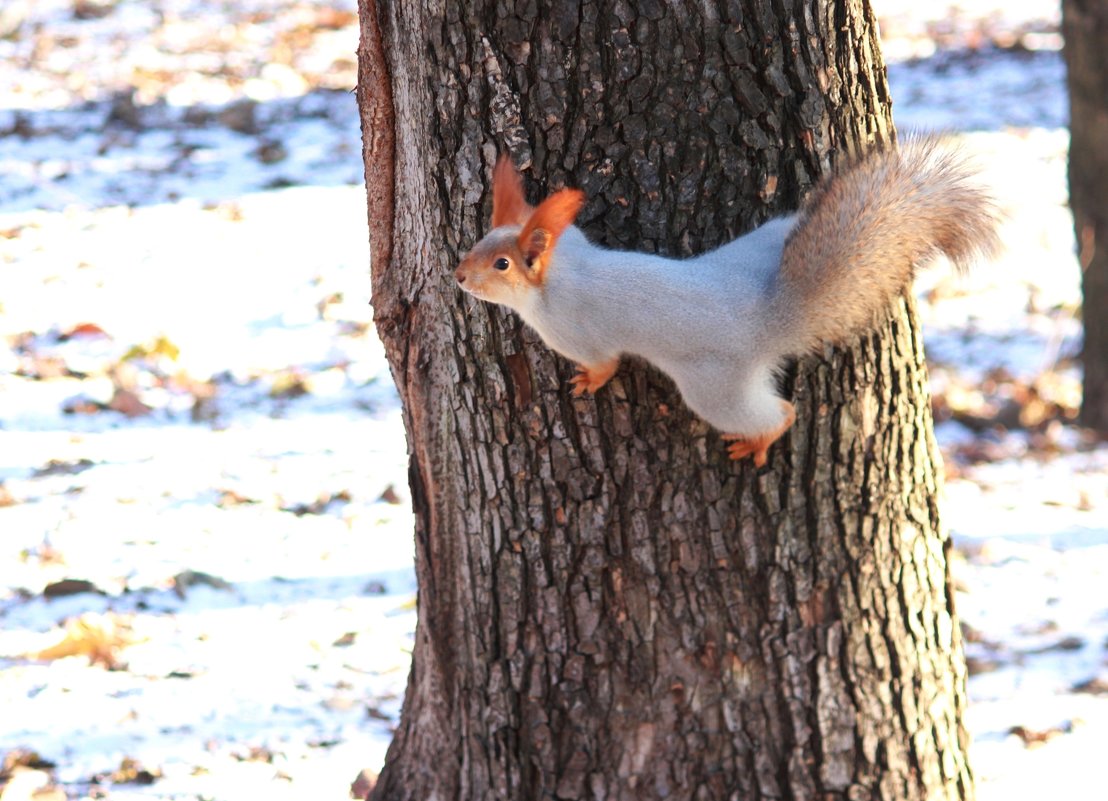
x: 758, y: 445
x: 591, y: 377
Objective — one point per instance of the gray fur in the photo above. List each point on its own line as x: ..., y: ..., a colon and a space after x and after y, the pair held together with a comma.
x: 597, y: 304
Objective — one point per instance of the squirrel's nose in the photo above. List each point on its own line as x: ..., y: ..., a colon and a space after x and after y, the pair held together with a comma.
x: 460, y: 275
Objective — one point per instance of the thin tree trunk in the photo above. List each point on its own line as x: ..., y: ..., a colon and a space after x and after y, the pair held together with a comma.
x: 608, y: 607
x: 1085, y: 26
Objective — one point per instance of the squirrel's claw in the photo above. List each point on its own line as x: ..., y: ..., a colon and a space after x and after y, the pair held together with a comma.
x: 758, y: 445
x: 590, y: 378
x: 742, y: 448
x: 580, y: 384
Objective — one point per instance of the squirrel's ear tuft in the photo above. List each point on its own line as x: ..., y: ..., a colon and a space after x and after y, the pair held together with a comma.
x: 508, y: 204
x: 541, y: 231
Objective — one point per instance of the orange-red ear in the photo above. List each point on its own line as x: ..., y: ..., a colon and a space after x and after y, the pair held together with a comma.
x: 508, y: 204
x: 541, y: 231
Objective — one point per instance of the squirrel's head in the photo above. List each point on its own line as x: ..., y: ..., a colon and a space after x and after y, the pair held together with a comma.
x: 510, y: 262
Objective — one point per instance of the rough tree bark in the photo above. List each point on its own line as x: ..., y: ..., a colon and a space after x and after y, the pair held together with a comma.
x: 1085, y: 29
x: 608, y: 608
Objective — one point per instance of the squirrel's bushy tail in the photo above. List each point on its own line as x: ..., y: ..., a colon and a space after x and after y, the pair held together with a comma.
x: 861, y: 235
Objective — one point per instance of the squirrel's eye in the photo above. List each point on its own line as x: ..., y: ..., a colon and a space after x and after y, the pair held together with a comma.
x: 501, y: 264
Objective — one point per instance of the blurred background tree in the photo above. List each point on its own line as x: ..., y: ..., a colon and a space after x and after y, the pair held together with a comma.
x: 1085, y: 30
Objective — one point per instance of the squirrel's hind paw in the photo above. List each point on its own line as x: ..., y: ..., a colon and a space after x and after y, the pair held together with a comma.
x: 742, y: 448
x: 758, y: 445
x: 591, y: 377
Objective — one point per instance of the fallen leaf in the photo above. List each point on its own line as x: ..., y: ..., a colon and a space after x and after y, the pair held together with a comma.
x: 363, y: 784
x: 978, y: 665
x: 1038, y: 627
x: 60, y: 589
x: 257, y: 753
x: 319, y: 505
x: 131, y: 771
x: 80, y: 405
x: 228, y: 498
x: 124, y: 110
x: 92, y: 9
x: 390, y: 495
x: 271, y: 152
x: 57, y: 467
x: 187, y: 579
x: 1070, y: 643
x: 161, y: 346
x: 127, y: 403
x: 1094, y: 686
x: 1032, y: 737
x: 98, y: 637
x: 83, y: 331
x: 288, y: 385
x: 240, y: 116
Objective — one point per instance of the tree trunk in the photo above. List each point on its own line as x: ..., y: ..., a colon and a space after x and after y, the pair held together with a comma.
x: 1085, y: 27
x: 608, y: 607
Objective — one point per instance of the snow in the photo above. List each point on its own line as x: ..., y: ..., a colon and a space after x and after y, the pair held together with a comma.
x: 197, y: 418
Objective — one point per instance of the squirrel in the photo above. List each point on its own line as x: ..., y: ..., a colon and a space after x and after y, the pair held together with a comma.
x: 723, y: 324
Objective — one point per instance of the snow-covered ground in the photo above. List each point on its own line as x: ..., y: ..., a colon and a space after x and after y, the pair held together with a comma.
x: 197, y: 421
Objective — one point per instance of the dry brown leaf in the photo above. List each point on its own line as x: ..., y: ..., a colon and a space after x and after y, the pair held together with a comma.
x: 101, y: 638
x: 271, y: 152
x: 131, y: 771
x: 240, y: 116
x: 161, y: 346
x: 92, y: 9
x: 81, y: 406
x: 59, y: 467
x: 1034, y: 737
x: 127, y: 403
x: 363, y: 785
x: 1093, y: 686
x: 83, y: 331
x: 289, y: 384
x: 230, y: 497
x: 390, y: 495
x: 69, y: 586
x: 256, y: 753
x: 187, y: 579
x: 319, y: 505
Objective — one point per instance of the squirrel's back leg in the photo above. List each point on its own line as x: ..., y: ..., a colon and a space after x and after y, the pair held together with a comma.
x: 744, y: 445
x: 741, y: 402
